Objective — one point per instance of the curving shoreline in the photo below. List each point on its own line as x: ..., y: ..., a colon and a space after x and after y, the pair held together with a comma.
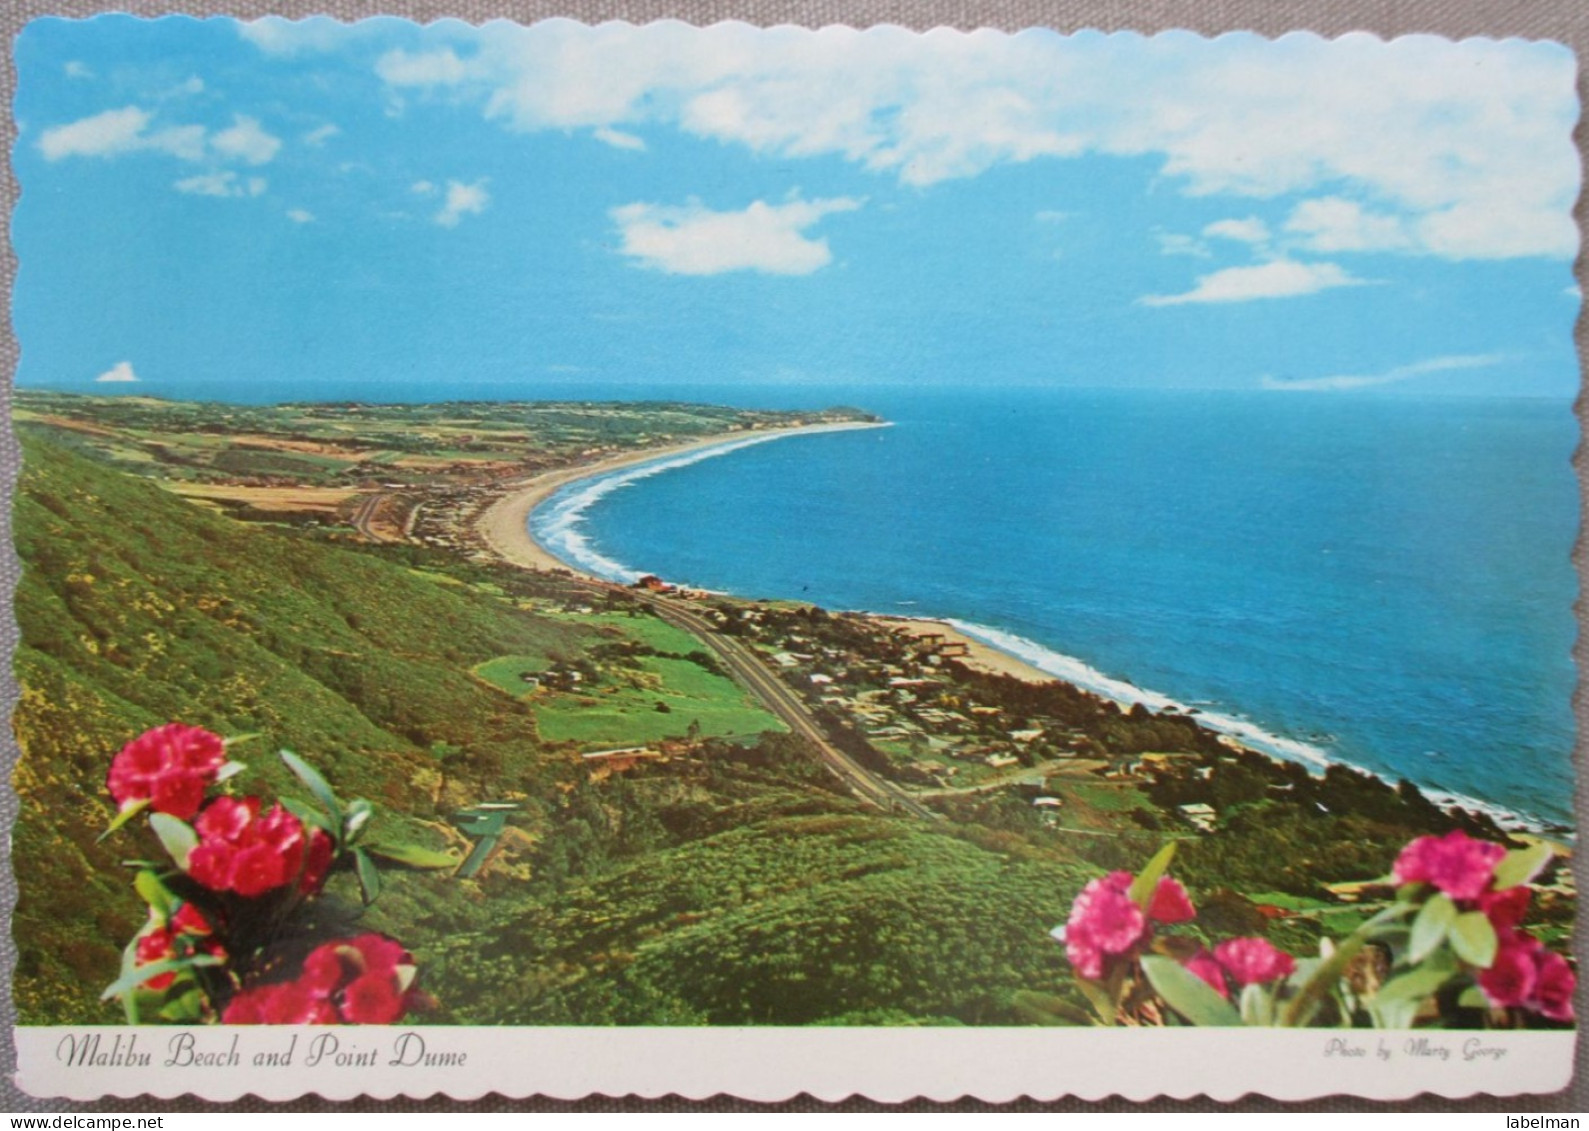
x: 504, y: 525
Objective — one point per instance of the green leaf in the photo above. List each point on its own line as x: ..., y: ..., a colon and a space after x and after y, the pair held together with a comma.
x: 1394, y: 1014
x: 239, y: 739
x: 412, y: 855
x: 1147, y: 881
x: 1257, y: 1005
x: 1301, y: 1008
x: 369, y: 878
x: 188, y: 1007
x: 1047, y: 1009
x: 317, y: 785
x: 308, y: 814
x: 155, y: 894
x: 1473, y: 938
x: 129, y: 962
x: 1099, y: 998
x: 141, y: 974
x: 1430, y: 927
x: 1415, y: 985
x: 177, y: 837
x: 1473, y: 998
x: 1521, y: 865
x: 1186, y: 993
x: 229, y: 770
x: 358, y: 815
x: 124, y: 816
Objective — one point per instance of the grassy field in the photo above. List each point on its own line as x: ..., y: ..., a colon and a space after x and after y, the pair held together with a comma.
x: 618, y: 713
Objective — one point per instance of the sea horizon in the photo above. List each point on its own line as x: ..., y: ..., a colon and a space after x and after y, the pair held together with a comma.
x: 1112, y: 676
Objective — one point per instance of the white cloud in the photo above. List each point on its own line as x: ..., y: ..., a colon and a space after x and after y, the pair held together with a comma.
x: 1279, y: 278
x: 76, y: 69
x: 422, y: 188
x: 694, y: 240
x: 1401, y: 373
x: 1332, y: 223
x: 320, y: 135
x: 1171, y: 243
x: 299, y: 216
x: 1251, y: 230
x: 424, y: 69
x: 120, y: 373
x: 1468, y: 141
x: 1052, y: 216
x: 112, y: 133
x: 223, y: 183
x: 462, y: 200
x: 103, y: 135
x: 285, y: 38
x: 619, y: 140
x: 246, y: 141
x: 186, y: 89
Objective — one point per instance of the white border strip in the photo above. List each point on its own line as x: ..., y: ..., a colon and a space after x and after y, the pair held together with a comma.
x: 771, y: 1065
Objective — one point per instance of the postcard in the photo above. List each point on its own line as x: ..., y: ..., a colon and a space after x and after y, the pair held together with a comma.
x: 566, y: 560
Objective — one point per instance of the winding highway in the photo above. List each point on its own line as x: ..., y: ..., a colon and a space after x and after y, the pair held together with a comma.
x: 752, y: 672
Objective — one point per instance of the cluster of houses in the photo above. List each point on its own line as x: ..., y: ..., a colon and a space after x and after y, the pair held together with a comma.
x: 894, y: 690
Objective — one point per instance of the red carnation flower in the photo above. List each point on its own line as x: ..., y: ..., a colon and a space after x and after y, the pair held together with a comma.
x: 243, y: 851
x: 169, y: 766
x: 1170, y: 903
x: 368, y: 980
x: 1207, y: 967
x: 188, y: 930
x: 1252, y: 960
x: 1455, y: 863
x: 317, y: 862
x: 281, y: 1003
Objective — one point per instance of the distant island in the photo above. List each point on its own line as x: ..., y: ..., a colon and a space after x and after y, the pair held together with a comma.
x: 725, y: 810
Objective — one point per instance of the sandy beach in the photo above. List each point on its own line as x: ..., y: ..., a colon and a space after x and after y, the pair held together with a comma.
x: 505, y: 527
x: 505, y: 523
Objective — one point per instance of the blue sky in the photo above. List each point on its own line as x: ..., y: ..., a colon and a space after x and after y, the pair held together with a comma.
x: 211, y: 208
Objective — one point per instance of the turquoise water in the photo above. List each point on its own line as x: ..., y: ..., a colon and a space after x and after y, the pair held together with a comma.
x: 1378, y: 580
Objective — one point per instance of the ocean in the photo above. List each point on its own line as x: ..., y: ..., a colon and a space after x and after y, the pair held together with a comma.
x: 1378, y: 580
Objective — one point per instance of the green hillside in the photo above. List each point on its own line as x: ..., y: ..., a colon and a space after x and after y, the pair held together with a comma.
x: 736, y: 884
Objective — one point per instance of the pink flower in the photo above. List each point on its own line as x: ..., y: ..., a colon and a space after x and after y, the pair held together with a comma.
x: 1207, y: 967
x: 243, y: 851
x: 1505, y: 909
x: 1510, y: 978
x: 1104, y: 920
x: 1527, y: 976
x: 1553, y: 987
x: 169, y: 766
x: 1455, y: 863
x: 1251, y: 960
x: 1170, y: 903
